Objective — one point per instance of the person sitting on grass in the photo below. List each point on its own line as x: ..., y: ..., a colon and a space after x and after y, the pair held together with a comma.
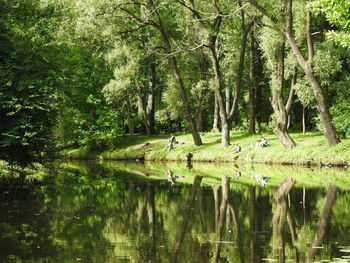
x: 238, y: 149
x: 171, y: 141
x: 262, y: 143
x: 169, y: 146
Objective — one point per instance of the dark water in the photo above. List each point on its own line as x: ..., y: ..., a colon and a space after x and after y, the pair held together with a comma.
x: 99, y: 214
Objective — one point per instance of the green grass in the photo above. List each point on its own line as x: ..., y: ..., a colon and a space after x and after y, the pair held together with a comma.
x: 312, y: 148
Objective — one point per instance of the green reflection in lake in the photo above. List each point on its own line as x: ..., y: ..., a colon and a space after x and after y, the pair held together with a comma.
x: 127, y: 212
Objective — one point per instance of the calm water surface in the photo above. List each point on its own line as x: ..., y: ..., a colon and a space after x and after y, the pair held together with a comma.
x: 100, y: 213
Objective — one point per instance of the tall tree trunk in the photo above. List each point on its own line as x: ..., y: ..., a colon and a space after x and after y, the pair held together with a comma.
x: 149, y: 114
x: 304, y: 124
x: 228, y: 99
x: 151, y: 99
x: 306, y: 65
x: 291, y: 96
x: 277, y: 100
x: 291, y: 92
x: 129, y: 117
x: 225, y: 131
x: 225, y: 116
x: 216, y: 116
x: 179, y: 82
x: 245, y: 31
x: 200, y: 120
x: 252, y: 89
x: 142, y: 111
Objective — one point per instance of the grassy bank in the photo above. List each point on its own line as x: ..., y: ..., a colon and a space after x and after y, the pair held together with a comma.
x: 312, y: 148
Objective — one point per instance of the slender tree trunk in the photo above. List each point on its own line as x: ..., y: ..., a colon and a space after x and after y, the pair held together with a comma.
x: 216, y: 116
x: 252, y: 89
x: 228, y: 99
x: 245, y: 30
x: 149, y: 115
x: 142, y: 111
x: 304, y: 124
x: 225, y: 131
x: 129, y: 117
x: 151, y: 99
x: 225, y: 116
x: 291, y: 96
x: 200, y: 120
x: 291, y: 92
x: 180, y: 85
x: 306, y: 65
x: 277, y: 100
x: 203, y: 99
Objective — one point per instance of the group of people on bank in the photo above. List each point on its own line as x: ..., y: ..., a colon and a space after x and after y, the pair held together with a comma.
x: 259, y: 145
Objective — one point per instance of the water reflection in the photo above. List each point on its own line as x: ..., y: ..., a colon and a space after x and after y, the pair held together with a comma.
x: 109, y: 215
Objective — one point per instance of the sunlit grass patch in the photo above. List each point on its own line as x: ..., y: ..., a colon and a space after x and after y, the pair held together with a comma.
x: 312, y: 148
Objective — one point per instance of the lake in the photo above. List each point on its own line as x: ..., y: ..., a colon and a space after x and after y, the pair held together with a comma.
x: 154, y: 212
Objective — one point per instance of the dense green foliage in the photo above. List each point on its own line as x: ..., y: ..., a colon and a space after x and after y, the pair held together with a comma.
x: 27, y: 81
x: 82, y: 73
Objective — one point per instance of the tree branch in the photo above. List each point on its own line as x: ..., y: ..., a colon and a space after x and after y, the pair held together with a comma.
x: 184, y: 50
x: 240, y: 71
x: 273, y: 19
x: 291, y: 92
x: 195, y: 11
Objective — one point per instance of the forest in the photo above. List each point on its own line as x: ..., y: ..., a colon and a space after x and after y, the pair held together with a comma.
x: 81, y: 74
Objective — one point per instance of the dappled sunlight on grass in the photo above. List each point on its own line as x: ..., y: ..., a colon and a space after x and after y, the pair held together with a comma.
x: 312, y: 148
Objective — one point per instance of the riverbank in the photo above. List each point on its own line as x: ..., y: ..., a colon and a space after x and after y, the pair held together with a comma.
x: 312, y: 149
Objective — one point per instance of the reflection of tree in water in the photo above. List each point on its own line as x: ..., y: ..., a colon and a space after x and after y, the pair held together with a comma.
x: 279, y: 218
x: 286, y: 222
x: 97, y: 218
x: 283, y: 215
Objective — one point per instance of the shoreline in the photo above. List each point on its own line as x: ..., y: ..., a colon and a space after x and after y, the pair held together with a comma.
x: 311, y: 150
